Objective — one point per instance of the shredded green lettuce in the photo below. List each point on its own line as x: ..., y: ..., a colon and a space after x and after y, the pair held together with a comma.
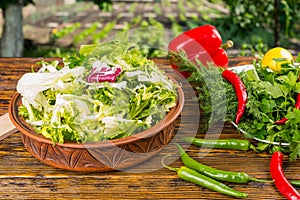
x: 59, y: 102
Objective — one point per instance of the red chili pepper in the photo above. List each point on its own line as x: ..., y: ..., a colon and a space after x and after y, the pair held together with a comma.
x: 240, y: 90
x: 279, y: 178
x: 281, y: 121
x: 297, y: 106
x: 203, y: 43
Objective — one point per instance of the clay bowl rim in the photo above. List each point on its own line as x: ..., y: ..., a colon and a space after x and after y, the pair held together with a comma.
x: 27, y: 130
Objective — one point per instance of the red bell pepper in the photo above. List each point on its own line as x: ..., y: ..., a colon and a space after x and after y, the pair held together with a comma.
x: 203, y: 43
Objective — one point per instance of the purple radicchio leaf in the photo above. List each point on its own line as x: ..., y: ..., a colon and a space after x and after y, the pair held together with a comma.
x: 101, y: 72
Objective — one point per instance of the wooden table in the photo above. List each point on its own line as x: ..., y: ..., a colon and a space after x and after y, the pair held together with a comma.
x: 24, y: 177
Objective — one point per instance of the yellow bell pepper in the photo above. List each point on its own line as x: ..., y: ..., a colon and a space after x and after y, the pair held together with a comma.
x: 275, y: 57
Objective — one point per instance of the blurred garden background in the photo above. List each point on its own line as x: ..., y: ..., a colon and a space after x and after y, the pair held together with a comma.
x: 56, y: 28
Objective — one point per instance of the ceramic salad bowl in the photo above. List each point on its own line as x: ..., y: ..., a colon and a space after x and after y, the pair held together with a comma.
x: 98, y: 156
x: 110, y: 111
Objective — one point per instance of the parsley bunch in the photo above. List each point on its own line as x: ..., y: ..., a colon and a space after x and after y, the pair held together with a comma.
x: 272, y: 96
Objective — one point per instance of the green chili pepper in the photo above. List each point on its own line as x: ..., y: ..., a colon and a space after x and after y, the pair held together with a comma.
x: 221, y: 175
x: 235, y: 144
x: 295, y: 182
x: 193, y: 176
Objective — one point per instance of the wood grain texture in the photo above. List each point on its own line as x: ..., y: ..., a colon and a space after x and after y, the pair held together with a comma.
x: 24, y: 177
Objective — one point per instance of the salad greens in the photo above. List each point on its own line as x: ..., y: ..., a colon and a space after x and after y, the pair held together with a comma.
x: 271, y: 96
x: 62, y: 104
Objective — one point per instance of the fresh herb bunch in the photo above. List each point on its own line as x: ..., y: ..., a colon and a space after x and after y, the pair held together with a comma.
x: 216, y: 97
x: 271, y: 96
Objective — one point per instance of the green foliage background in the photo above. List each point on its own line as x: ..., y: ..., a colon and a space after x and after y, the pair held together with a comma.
x: 254, y: 21
x: 250, y: 24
